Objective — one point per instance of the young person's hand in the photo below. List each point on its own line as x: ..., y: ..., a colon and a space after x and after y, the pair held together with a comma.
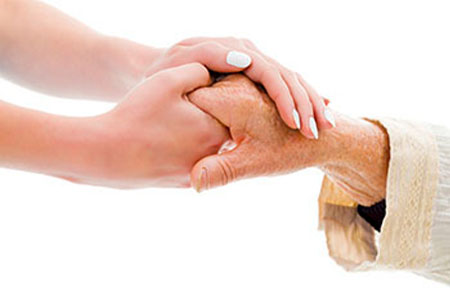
x: 65, y: 58
x: 298, y: 103
x: 155, y: 136
x: 152, y: 138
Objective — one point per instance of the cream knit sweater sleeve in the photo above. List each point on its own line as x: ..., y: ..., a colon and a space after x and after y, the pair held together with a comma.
x: 415, y: 235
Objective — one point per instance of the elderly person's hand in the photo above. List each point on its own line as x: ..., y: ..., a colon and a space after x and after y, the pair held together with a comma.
x: 354, y: 154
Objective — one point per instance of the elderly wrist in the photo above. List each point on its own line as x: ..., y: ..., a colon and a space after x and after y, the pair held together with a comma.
x: 359, y: 159
x: 343, y: 140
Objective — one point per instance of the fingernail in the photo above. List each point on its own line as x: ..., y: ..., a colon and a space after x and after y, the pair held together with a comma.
x: 329, y: 116
x: 313, y: 126
x: 202, y: 181
x: 296, y: 118
x: 238, y: 59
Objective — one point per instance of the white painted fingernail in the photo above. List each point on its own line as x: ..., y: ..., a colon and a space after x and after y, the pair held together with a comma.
x: 329, y: 116
x: 296, y: 118
x: 238, y: 59
x: 313, y: 126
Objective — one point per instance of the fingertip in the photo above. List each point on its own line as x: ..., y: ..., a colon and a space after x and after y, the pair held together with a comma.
x: 309, y: 128
x: 202, y: 181
x: 290, y: 119
x: 307, y: 134
x: 296, y: 117
x: 238, y: 59
x: 313, y: 128
x: 197, y: 177
x: 324, y: 125
x: 205, y: 175
x: 329, y: 116
x: 289, y: 114
x: 324, y: 117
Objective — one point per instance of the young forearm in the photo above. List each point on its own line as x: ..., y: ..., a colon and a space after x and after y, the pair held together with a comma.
x: 44, y: 143
x: 46, y: 50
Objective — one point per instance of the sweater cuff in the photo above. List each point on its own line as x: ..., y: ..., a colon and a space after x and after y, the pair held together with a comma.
x: 405, y: 234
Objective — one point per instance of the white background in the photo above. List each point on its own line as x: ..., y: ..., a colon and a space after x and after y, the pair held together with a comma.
x: 255, y: 239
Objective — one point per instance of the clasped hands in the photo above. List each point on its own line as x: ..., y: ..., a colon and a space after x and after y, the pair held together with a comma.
x: 170, y: 129
x: 172, y: 122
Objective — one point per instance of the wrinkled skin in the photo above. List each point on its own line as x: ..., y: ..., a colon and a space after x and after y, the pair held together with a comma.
x: 355, y: 154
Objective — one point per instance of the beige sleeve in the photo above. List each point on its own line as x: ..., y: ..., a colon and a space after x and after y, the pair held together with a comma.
x: 415, y: 234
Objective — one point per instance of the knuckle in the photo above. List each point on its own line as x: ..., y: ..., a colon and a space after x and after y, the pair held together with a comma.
x: 227, y: 171
x: 269, y: 73
x: 290, y: 79
x: 200, y: 52
x: 270, y: 78
x: 208, y: 48
x: 175, y: 50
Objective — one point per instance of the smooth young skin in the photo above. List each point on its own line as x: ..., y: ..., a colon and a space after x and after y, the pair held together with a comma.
x: 43, y: 49
x: 355, y: 154
x: 152, y: 138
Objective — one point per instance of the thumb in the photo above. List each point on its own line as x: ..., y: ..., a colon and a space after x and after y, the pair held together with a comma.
x: 218, y: 170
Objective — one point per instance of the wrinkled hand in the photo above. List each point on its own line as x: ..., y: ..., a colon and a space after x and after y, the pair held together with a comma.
x: 265, y: 145
x: 355, y: 154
